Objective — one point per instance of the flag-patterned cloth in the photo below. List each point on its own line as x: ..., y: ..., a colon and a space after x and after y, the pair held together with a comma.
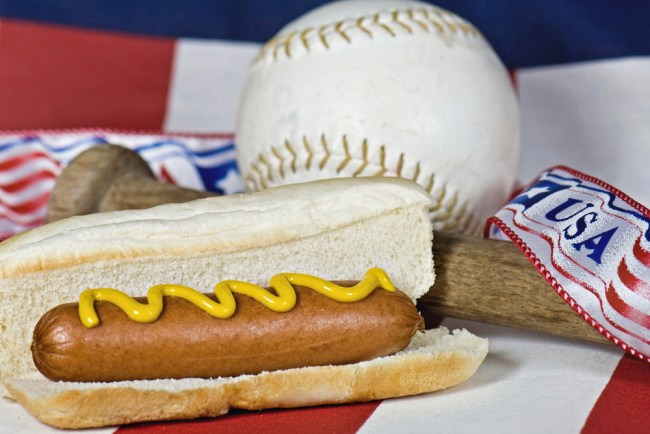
x: 30, y: 162
x: 63, y: 89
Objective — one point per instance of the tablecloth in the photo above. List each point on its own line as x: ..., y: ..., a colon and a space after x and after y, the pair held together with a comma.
x: 174, y: 100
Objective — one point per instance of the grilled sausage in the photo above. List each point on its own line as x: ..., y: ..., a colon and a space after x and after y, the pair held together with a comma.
x: 187, y: 342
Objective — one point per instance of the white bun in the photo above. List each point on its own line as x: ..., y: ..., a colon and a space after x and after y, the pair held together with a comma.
x: 336, y: 229
x: 435, y: 360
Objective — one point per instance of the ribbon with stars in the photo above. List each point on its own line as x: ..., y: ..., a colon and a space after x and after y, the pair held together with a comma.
x: 591, y: 243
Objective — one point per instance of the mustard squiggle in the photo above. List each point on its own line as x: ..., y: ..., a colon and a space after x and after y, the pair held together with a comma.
x: 283, y: 301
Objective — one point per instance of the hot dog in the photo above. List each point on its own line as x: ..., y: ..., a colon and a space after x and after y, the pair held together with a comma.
x: 334, y: 229
x: 187, y: 342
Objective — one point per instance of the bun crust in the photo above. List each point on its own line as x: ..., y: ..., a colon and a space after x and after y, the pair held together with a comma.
x: 435, y: 360
x: 212, y: 225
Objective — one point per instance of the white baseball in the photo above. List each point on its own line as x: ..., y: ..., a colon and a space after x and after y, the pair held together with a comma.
x: 384, y: 87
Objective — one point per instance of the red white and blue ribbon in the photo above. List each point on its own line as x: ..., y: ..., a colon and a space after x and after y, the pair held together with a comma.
x: 591, y: 242
x: 30, y: 162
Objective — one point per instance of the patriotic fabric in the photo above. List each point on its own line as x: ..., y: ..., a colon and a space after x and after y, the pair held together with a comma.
x: 31, y: 161
x: 592, y: 244
x: 173, y: 98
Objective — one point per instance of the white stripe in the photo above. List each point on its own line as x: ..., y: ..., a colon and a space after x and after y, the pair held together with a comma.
x: 174, y: 151
x: 528, y: 383
x: 131, y: 140
x: 216, y: 159
x: 12, y: 223
x: 592, y: 116
x: 182, y: 171
x: 207, y: 83
x: 25, y: 170
x: 20, y: 148
x: 27, y: 194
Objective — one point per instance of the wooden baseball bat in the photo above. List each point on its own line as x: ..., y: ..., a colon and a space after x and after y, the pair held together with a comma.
x: 477, y: 279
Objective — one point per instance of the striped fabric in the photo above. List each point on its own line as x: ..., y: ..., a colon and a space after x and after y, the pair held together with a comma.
x: 30, y: 161
x: 174, y: 100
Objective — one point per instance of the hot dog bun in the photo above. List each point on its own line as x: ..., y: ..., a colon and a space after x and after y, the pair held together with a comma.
x: 335, y: 229
x: 435, y: 360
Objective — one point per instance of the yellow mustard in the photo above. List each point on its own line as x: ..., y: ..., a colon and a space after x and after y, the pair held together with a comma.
x: 283, y: 301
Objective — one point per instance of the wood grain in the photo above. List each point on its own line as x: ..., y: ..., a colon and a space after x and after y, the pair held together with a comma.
x: 492, y: 281
x: 109, y: 178
x: 477, y: 279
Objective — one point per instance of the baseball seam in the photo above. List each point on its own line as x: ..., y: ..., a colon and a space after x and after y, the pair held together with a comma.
x: 448, y: 212
x: 392, y: 23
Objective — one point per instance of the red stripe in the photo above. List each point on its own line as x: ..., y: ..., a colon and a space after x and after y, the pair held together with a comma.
x: 59, y: 77
x: 30, y: 206
x: 623, y: 405
x: 640, y: 253
x: 626, y: 310
x: 22, y: 158
x: 514, y: 79
x: 28, y: 181
x: 326, y: 419
x: 166, y: 177
x: 635, y: 284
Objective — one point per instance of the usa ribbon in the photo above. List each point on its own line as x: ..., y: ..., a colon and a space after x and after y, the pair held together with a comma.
x: 591, y: 242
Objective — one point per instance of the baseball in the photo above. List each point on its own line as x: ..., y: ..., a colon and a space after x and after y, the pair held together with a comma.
x: 384, y: 88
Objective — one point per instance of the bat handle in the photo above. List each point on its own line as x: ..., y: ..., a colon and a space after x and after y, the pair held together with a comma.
x: 110, y: 178
x: 492, y: 281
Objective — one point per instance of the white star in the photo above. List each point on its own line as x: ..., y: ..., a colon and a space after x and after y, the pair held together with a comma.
x: 231, y: 183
